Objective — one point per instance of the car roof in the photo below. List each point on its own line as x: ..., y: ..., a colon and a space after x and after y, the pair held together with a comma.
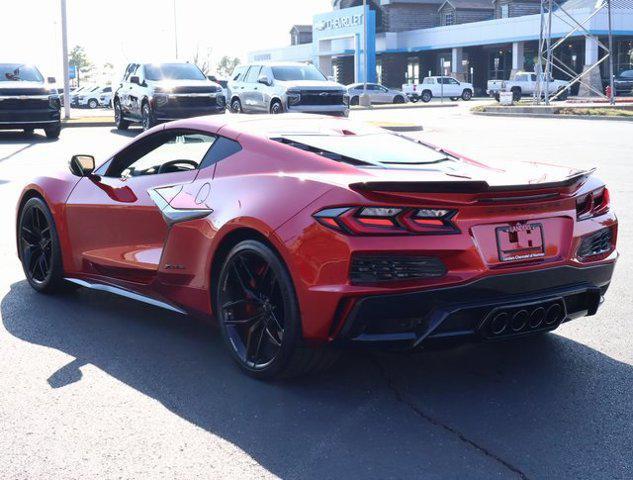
x: 271, y: 63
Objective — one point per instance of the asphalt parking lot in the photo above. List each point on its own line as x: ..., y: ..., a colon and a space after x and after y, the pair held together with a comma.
x: 95, y: 386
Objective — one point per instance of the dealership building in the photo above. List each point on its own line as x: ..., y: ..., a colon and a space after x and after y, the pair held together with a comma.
x: 473, y: 40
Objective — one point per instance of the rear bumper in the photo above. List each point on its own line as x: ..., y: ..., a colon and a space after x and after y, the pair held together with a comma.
x: 467, y: 311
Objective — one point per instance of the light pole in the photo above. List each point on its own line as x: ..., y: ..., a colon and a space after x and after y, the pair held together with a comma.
x: 364, y: 100
x: 65, y: 61
x: 175, y: 31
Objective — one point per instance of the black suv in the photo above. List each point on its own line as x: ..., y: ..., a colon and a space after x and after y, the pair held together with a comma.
x: 151, y: 93
x: 26, y: 103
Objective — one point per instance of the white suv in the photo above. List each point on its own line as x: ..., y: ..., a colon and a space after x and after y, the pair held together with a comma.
x: 285, y: 87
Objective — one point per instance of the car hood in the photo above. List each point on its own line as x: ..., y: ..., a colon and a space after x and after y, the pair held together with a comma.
x: 23, y: 88
x: 311, y: 85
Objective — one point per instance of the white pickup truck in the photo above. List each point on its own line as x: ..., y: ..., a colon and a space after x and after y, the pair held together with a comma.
x: 441, y: 87
x: 525, y: 84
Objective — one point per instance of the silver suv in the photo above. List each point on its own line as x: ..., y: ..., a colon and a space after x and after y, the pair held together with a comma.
x: 285, y: 87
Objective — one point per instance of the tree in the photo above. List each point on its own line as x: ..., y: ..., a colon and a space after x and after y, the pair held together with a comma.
x: 226, y: 65
x: 78, y: 58
x: 202, y: 61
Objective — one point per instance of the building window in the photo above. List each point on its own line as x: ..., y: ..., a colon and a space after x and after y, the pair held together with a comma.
x: 413, y: 70
x: 448, y: 18
x: 505, y: 11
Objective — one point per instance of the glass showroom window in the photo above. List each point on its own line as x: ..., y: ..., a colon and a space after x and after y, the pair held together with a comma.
x: 413, y: 70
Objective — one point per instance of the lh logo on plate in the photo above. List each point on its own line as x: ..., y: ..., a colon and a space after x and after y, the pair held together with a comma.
x: 520, y: 242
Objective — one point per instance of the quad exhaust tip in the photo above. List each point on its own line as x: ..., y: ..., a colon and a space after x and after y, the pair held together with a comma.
x: 517, y: 320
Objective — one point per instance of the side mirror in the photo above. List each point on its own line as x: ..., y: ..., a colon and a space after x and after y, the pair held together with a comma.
x: 264, y: 80
x: 135, y: 80
x: 212, y: 78
x: 82, y: 165
x: 51, y: 80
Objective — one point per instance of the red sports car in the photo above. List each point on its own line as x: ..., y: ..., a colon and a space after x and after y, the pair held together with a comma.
x: 301, y: 233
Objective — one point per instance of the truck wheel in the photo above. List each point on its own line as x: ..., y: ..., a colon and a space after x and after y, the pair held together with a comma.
x: 28, y: 132
x: 53, y: 132
x: 121, y: 124
x: 516, y: 94
x: 236, y: 106
x: 467, y: 94
x: 413, y: 99
x: 148, y: 120
x: 276, y: 107
x: 92, y: 103
x: 398, y: 99
x: 497, y: 97
x: 354, y: 101
x: 426, y: 96
x: 563, y: 96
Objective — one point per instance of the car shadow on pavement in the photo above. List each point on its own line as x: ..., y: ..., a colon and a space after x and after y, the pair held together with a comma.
x: 546, y: 407
x: 130, y: 132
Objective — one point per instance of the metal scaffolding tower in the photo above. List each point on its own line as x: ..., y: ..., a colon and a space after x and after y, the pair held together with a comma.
x: 548, y: 62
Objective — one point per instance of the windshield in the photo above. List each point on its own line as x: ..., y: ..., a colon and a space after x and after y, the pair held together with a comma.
x: 173, y: 71
x: 303, y: 72
x: 15, y: 72
x: 383, y: 149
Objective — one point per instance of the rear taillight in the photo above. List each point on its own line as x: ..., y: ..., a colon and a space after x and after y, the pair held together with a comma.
x: 388, y: 220
x: 593, y: 204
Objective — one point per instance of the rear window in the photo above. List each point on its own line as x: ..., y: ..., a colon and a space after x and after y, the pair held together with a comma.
x: 377, y: 150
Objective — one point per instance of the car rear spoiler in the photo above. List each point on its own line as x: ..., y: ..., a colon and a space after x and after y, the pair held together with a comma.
x: 464, y: 186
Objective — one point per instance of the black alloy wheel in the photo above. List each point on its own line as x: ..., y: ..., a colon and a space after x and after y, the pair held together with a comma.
x: 147, y: 117
x: 121, y: 124
x: 39, y: 246
x: 53, y: 132
x: 259, y: 315
x: 427, y: 96
x: 236, y: 106
x: 276, y: 107
x: 398, y: 99
x: 467, y: 95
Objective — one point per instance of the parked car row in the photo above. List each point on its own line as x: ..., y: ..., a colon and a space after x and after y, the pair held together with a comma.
x: 91, y: 96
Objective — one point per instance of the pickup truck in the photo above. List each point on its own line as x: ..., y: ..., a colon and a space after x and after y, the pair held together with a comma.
x: 441, y: 87
x: 525, y: 84
x: 28, y: 101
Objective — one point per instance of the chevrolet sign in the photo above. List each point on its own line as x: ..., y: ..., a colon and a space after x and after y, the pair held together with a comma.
x: 340, y: 22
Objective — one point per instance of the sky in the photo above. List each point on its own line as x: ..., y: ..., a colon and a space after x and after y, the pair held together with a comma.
x: 118, y: 31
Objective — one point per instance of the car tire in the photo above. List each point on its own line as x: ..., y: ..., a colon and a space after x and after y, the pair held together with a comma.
x: 147, y: 117
x: 28, y: 132
x: 563, y: 96
x: 236, y: 106
x: 53, y: 131
x: 413, y: 99
x: 276, y: 107
x: 426, y: 96
x: 121, y: 124
x: 38, y: 247
x: 398, y: 99
x: 467, y: 94
x: 516, y: 94
x: 259, y: 318
x: 454, y: 99
x: 92, y: 103
x: 354, y: 101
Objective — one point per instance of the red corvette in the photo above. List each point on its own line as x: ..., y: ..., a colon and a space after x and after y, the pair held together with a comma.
x: 300, y: 233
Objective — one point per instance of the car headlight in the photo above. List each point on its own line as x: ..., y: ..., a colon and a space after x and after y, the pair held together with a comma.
x: 160, y: 99
x: 53, y: 101
x: 294, y: 98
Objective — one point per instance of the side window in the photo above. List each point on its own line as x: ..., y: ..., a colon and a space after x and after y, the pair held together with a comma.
x: 221, y: 149
x: 107, y: 89
x: 163, y: 152
x: 452, y: 81
x: 533, y: 77
x: 238, y: 74
x: 128, y: 71
x: 427, y: 81
x: 253, y: 74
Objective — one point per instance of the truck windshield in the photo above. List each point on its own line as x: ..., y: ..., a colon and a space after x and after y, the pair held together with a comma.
x: 173, y: 71
x: 290, y: 73
x: 15, y: 72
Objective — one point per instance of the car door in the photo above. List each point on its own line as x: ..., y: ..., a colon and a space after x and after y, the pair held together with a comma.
x: 383, y: 94
x: 252, y: 94
x: 137, y: 92
x: 115, y: 227
x: 452, y: 88
x: 125, y: 88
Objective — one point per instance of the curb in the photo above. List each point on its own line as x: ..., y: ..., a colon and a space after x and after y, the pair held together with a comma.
x: 403, y: 106
x: 555, y: 115
x: 104, y: 123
